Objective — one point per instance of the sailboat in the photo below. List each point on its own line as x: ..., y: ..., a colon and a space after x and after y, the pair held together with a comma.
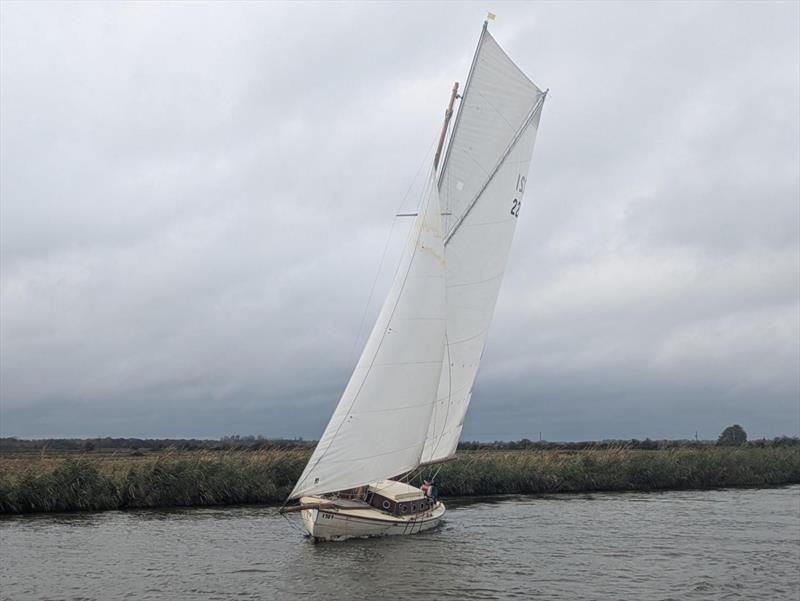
x: 404, y: 406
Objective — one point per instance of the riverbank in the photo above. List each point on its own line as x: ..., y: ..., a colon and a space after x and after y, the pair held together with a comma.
x: 91, y: 481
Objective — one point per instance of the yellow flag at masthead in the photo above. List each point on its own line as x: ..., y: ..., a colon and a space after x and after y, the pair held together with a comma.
x: 491, y: 17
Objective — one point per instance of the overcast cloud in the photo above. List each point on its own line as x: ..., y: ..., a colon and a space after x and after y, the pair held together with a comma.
x: 195, y: 198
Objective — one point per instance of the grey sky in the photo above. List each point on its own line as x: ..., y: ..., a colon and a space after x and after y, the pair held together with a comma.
x: 195, y: 198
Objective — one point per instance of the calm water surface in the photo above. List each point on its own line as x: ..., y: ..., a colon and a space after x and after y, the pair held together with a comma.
x: 722, y: 544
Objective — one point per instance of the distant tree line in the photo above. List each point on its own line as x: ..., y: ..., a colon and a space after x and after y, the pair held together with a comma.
x: 633, y: 443
x: 731, y: 436
x: 152, y: 444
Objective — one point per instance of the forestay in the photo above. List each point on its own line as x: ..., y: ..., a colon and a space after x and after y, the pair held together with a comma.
x: 379, y: 427
x: 481, y: 188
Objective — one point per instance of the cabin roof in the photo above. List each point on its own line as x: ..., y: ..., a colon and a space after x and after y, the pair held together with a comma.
x: 396, y: 491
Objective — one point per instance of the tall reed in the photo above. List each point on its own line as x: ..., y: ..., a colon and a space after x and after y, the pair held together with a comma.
x: 617, y: 469
x: 42, y: 482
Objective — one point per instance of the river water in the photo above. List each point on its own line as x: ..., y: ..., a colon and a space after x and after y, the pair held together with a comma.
x: 719, y: 544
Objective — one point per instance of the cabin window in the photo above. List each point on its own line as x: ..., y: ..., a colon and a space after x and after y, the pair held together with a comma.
x: 386, y: 505
x: 403, y: 508
x: 414, y: 507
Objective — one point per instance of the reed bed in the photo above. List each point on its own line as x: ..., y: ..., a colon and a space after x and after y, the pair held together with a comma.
x: 617, y: 469
x: 51, y: 482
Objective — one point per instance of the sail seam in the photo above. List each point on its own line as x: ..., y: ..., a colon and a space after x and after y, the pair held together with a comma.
x: 456, y: 391
x: 420, y: 319
x: 496, y: 110
x: 489, y: 222
x: 389, y: 410
x: 467, y: 339
x: 478, y: 165
x: 405, y: 363
x: 416, y: 444
x: 489, y: 279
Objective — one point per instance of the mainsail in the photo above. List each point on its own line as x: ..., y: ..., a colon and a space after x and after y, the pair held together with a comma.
x: 481, y: 189
x: 380, y: 425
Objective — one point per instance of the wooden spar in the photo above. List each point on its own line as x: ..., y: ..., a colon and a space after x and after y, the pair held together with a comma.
x: 303, y: 506
x: 447, y: 114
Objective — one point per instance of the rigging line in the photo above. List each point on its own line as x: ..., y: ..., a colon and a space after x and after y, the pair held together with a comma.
x: 385, y: 249
x: 405, y: 475
x: 426, y: 201
x: 415, y: 473
x: 291, y: 523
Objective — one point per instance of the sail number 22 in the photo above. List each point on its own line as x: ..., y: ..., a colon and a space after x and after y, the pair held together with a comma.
x: 517, y: 203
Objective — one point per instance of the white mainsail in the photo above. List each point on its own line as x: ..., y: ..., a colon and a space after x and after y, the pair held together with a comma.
x: 380, y: 425
x: 481, y: 189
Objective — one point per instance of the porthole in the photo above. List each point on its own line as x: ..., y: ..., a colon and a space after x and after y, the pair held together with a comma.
x: 413, y: 507
x: 403, y: 508
x: 386, y: 505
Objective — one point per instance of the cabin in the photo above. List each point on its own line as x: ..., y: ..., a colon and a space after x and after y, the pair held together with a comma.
x: 397, y: 498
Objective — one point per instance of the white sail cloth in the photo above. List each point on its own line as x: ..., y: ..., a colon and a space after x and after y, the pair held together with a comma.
x: 481, y: 190
x: 380, y: 425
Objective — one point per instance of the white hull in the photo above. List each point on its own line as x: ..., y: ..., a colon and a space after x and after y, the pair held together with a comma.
x: 343, y: 523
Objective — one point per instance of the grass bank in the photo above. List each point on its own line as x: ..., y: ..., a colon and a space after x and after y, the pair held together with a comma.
x: 45, y: 481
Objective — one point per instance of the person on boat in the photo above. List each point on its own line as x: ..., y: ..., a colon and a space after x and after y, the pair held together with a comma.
x: 433, y: 491
x: 426, y: 487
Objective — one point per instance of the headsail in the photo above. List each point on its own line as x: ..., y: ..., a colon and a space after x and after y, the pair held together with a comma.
x: 481, y: 189
x: 379, y: 427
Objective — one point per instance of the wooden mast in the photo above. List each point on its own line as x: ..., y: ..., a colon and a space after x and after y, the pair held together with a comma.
x: 447, y: 114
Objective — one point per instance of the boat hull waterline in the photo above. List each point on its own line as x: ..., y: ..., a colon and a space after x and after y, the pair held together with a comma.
x: 337, y: 524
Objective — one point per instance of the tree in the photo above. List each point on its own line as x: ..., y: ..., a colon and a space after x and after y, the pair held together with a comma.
x: 732, y: 436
